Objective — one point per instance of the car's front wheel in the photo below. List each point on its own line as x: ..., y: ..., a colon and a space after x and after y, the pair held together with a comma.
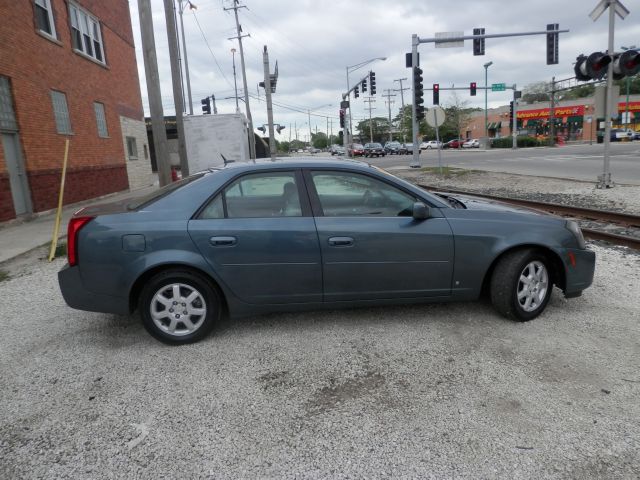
x: 179, y: 306
x: 521, y: 285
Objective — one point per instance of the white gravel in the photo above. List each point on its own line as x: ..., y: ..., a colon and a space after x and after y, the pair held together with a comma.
x: 622, y: 198
x: 433, y: 391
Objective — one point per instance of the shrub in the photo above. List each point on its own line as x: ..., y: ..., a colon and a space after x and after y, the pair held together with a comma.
x: 523, y: 141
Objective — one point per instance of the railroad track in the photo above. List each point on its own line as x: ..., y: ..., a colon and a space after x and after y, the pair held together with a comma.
x: 590, y: 214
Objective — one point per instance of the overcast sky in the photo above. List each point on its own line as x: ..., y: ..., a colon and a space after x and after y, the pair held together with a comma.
x: 314, y: 41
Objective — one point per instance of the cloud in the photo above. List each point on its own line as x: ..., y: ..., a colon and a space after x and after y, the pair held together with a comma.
x: 314, y: 42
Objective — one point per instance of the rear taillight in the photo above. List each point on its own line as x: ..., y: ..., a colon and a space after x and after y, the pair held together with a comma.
x: 75, y: 224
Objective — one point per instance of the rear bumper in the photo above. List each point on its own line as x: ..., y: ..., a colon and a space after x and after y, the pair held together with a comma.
x: 78, y: 297
x: 580, y: 275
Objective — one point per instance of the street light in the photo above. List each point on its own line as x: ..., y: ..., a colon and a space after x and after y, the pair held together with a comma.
x: 632, y: 47
x: 486, y: 115
x: 351, y: 69
x: 181, y: 5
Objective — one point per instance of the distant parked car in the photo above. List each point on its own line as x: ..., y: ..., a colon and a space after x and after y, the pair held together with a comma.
x: 373, y: 150
x: 455, y: 143
x: 337, y: 150
x: 300, y: 150
x: 471, y: 143
x: 409, y: 148
x: 357, y: 150
x: 430, y: 144
x: 394, y: 148
x: 619, y: 134
x: 253, y: 238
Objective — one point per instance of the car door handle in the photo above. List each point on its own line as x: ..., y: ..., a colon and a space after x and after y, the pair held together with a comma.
x: 223, y: 241
x: 340, y: 241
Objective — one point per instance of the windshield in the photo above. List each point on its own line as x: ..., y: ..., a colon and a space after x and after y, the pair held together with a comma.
x: 163, y: 191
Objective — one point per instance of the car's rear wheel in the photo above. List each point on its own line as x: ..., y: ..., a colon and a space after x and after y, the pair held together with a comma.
x: 521, y: 285
x: 179, y: 306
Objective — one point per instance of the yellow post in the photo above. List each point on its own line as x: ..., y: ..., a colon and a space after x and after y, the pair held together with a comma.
x: 56, y: 228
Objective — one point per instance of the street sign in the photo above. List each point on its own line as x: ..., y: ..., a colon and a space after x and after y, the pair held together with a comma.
x: 442, y: 37
x: 435, y: 117
x: 498, y: 87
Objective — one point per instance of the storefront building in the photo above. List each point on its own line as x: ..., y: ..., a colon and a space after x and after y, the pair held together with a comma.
x: 574, y: 120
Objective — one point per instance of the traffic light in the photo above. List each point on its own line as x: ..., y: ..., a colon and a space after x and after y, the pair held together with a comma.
x: 510, y: 112
x: 436, y: 94
x: 626, y: 64
x: 372, y: 82
x: 552, y: 44
x: 418, y: 90
x: 342, y: 118
x: 472, y: 89
x: 263, y: 129
x: 206, y: 106
x: 364, y: 85
x: 593, y: 67
x: 356, y: 92
x: 478, y: 43
x: 279, y: 128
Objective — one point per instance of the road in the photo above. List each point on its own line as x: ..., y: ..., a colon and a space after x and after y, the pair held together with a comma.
x: 579, y: 162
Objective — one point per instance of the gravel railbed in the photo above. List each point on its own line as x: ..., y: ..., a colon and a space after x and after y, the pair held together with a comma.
x: 431, y: 391
x: 621, y: 198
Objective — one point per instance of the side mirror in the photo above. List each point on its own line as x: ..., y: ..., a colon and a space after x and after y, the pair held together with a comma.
x: 421, y: 211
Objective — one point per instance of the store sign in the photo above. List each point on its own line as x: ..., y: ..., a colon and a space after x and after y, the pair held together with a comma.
x: 577, y: 110
x: 633, y: 106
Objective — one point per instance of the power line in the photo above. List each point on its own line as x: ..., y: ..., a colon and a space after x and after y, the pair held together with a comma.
x: 210, y: 51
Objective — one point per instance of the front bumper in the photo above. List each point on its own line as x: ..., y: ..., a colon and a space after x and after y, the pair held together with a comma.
x: 78, y: 297
x: 579, y: 272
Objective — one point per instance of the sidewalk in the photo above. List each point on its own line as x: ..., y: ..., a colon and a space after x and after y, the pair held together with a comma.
x: 20, y: 236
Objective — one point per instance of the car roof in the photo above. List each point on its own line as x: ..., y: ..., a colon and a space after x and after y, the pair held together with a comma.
x: 292, y: 162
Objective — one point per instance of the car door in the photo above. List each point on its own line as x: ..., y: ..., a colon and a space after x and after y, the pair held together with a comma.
x: 372, y: 247
x: 259, y: 235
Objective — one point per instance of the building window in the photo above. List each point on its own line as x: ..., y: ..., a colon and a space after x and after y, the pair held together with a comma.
x: 101, y: 120
x: 44, y: 17
x: 61, y: 112
x: 7, y: 115
x: 85, y: 33
x: 132, y: 148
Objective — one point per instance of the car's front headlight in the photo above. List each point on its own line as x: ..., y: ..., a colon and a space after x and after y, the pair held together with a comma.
x: 574, y: 228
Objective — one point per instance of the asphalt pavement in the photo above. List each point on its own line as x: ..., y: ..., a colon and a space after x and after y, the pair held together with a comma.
x: 578, y: 162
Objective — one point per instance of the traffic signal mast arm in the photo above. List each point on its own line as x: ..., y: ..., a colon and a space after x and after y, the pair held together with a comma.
x: 480, y: 37
x: 356, y: 86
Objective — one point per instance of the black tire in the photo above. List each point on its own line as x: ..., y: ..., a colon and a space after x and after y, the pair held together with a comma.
x: 506, y: 284
x: 188, y: 282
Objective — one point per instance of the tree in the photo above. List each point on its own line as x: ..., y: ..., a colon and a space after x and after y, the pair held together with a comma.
x: 379, y: 127
x: 283, y: 146
x: 319, y: 140
x: 536, y: 92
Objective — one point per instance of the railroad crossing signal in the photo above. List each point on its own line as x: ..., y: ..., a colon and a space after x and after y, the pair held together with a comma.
x: 593, y: 67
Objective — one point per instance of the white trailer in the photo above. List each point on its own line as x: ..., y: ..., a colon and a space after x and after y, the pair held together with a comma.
x: 209, y: 138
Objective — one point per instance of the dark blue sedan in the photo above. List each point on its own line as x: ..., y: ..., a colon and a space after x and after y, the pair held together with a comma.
x: 306, y: 234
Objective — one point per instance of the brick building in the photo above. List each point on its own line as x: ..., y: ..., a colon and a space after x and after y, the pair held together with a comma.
x: 68, y: 71
x: 574, y: 119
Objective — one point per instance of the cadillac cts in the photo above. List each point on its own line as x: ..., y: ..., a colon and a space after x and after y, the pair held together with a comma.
x: 306, y: 234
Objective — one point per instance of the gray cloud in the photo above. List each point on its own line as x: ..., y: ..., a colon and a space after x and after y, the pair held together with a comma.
x: 314, y: 41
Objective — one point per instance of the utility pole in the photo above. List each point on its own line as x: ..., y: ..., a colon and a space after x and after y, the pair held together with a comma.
x: 252, y: 138
x: 401, y: 90
x: 515, y: 119
x: 370, y: 100
x: 235, y: 81
x: 309, y: 114
x: 267, y: 89
x: 552, y: 119
x: 172, y: 36
x: 213, y: 99
x: 181, y: 4
x: 153, y: 92
x: 389, y: 95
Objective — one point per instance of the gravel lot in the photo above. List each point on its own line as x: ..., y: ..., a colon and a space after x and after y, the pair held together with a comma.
x: 434, y: 391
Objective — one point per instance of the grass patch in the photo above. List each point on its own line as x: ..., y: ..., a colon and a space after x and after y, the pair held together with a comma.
x: 4, y: 275
x: 61, y: 250
x: 447, y: 172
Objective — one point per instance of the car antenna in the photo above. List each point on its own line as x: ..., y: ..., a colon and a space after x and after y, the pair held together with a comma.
x: 225, y: 160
